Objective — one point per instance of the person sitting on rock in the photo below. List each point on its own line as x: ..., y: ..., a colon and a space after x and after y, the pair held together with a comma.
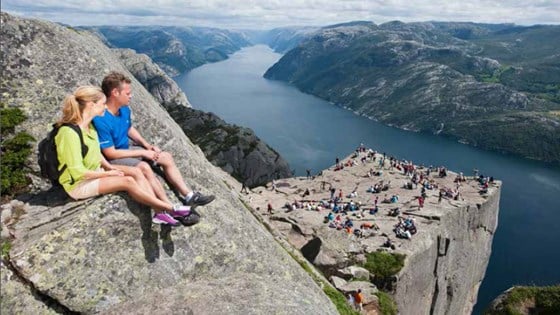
x: 115, y: 128
x: 348, y: 223
x: 91, y: 175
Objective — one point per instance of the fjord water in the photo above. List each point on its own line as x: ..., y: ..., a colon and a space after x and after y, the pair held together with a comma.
x: 310, y: 133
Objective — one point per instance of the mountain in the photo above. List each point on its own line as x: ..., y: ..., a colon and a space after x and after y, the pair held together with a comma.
x: 283, y: 39
x: 492, y: 86
x: 103, y: 255
x: 174, y: 49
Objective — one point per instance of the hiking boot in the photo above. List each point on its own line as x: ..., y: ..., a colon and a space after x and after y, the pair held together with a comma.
x: 164, y: 218
x: 180, y: 211
x: 191, y: 219
x: 199, y: 199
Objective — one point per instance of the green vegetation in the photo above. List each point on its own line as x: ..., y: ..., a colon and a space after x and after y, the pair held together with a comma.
x: 6, y: 246
x: 496, y: 76
x: 15, y: 151
x: 339, y: 301
x: 536, y: 300
x: 383, y: 264
x: 387, y: 305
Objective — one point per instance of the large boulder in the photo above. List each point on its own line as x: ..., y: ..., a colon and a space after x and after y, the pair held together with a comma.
x: 103, y: 254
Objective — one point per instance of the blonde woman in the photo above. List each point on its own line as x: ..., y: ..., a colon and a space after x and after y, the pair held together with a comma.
x: 91, y: 175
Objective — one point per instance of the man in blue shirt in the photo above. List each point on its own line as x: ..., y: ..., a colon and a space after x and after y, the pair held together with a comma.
x: 115, y: 128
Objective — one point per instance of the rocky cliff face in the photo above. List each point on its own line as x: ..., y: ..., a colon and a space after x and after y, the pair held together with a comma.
x: 420, y: 77
x: 445, y: 261
x: 444, y: 272
x: 158, y: 83
x: 235, y: 149
x: 103, y: 254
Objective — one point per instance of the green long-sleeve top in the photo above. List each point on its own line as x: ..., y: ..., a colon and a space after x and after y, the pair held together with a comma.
x: 69, y: 152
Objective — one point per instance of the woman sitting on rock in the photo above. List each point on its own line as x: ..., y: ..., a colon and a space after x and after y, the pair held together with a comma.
x: 91, y: 175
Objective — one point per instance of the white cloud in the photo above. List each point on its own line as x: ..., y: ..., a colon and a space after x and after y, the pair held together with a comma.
x: 273, y: 13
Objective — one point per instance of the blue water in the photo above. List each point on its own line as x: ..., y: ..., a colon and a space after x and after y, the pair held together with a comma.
x: 310, y: 133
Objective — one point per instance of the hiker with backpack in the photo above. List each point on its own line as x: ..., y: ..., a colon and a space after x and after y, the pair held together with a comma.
x: 115, y: 129
x: 88, y: 174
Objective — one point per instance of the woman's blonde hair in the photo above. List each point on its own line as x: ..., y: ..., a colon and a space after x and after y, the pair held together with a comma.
x: 74, y: 104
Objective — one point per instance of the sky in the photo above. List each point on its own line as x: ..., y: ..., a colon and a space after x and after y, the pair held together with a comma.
x: 267, y: 14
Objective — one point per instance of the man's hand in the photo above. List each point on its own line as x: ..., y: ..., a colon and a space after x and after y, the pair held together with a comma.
x: 151, y: 155
x: 154, y: 148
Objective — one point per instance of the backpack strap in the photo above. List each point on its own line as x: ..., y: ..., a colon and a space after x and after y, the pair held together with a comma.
x: 78, y: 130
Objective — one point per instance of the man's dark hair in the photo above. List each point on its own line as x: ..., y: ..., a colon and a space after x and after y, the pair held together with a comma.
x: 113, y: 80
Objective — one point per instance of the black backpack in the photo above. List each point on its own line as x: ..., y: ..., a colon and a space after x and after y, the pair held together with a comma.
x: 48, y: 159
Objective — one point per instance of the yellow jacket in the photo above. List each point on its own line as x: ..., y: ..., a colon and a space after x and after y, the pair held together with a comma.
x: 69, y: 153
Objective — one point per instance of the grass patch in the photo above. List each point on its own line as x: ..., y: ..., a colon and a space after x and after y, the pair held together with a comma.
x: 6, y: 246
x: 387, y: 305
x: 383, y: 264
x: 546, y: 301
x: 339, y: 301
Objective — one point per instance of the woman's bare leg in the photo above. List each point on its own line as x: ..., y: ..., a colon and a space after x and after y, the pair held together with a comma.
x: 127, y: 183
x: 138, y: 176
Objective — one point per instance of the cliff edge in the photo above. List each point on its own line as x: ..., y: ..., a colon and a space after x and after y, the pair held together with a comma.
x: 445, y: 258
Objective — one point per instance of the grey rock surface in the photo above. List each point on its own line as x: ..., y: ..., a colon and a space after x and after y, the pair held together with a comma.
x: 154, y: 79
x: 17, y: 297
x: 103, y: 254
x: 355, y: 272
x: 338, y: 282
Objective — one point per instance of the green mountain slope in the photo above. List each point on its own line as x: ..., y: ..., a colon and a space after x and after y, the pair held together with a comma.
x: 175, y: 49
x: 487, y: 85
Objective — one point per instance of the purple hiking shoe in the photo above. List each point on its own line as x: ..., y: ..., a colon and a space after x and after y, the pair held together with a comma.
x: 164, y: 218
x: 180, y: 211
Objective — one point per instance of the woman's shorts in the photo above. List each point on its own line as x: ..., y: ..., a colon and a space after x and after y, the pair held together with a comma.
x: 85, y: 189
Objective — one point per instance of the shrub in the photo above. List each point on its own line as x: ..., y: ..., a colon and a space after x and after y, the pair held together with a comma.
x: 383, y: 264
x: 15, y: 151
x: 546, y: 301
